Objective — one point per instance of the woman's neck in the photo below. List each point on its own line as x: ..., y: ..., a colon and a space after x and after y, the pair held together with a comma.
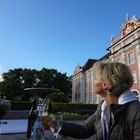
x: 111, y: 99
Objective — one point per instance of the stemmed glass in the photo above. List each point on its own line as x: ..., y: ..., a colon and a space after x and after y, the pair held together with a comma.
x: 56, y: 121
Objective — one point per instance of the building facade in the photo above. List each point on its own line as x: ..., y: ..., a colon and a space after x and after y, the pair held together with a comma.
x: 125, y: 49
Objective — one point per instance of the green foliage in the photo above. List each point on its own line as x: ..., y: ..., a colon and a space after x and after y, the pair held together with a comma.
x: 54, y: 107
x: 67, y: 107
x: 57, y: 107
x: 4, y: 107
x: 21, y: 105
x: 73, y: 117
x: 16, y: 80
x: 58, y: 97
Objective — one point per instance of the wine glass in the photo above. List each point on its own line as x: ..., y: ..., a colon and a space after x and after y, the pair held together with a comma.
x: 56, y: 121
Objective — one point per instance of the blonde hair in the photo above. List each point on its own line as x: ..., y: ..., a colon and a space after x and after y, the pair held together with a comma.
x: 118, y: 76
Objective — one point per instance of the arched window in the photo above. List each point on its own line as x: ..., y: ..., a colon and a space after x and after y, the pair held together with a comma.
x: 136, y: 93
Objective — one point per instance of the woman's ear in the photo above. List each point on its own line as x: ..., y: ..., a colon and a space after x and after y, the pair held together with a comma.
x: 105, y: 85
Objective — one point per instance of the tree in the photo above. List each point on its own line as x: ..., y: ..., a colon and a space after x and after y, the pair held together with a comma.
x: 16, y: 80
x: 12, y: 84
x: 58, y: 97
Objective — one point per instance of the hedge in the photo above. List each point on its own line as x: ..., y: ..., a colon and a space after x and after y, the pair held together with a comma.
x: 21, y: 105
x: 3, y: 109
x: 70, y: 107
x: 56, y: 107
x: 72, y: 117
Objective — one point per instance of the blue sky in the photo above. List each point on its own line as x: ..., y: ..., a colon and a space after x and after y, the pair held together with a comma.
x: 59, y: 34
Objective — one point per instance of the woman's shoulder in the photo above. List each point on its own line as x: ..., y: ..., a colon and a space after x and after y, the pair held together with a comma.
x: 134, y: 106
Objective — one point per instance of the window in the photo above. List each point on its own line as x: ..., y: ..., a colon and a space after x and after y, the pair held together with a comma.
x: 136, y: 94
x: 131, y: 58
x: 134, y: 76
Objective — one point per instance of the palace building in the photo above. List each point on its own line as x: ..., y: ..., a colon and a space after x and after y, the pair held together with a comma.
x: 125, y: 49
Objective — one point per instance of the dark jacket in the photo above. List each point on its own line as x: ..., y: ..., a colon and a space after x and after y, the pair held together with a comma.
x: 126, y: 124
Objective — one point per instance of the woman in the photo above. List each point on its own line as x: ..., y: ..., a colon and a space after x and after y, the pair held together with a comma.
x: 118, y: 116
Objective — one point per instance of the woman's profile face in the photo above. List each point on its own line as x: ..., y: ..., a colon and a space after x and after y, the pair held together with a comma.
x: 98, y: 85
